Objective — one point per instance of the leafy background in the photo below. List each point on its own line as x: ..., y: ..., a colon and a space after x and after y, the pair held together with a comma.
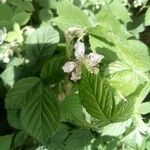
x: 41, y: 108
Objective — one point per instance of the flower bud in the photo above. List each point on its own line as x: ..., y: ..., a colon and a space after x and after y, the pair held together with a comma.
x: 69, y: 66
x: 74, y: 31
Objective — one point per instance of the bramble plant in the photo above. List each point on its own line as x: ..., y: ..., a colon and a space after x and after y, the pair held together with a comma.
x: 74, y: 75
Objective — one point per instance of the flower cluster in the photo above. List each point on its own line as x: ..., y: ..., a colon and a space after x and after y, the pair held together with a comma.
x: 91, y: 62
x: 6, y: 53
x: 137, y: 3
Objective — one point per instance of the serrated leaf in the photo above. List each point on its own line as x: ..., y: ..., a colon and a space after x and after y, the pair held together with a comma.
x: 57, y: 140
x: 79, y: 139
x: 5, y: 142
x: 120, y: 11
x: 97, y: 96
x: 116, y: 129
x: 135, y: 54
x: 20, y: 138
x: 71, y: 107
x: 14, y: 118
x: 17, y: 96
x: 41, y: 43
x: 106, y: 19
x: 40, y: 116
x: 71, y: 16
x: 147, y: 17
x: 132, y: 52
x: 103, y: 47
x: 52, y: 71
x: 125, y: 81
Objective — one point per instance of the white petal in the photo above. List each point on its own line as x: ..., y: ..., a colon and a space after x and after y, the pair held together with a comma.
x: 79, y: 49
x: 6, y: 60
x: 94, y: 59
x: 69, y: 66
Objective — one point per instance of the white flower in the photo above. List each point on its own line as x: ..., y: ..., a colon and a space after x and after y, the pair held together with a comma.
x: 6, y: 60
x: 69, y: 66
x: 79, y: 50
x: 137, y: 3
x: 94, y: 58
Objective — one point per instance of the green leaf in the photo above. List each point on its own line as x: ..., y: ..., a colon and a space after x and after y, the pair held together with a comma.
x: 71, y: 107
x: 79, y: 139
x: 5, y: 142
x: 6, y: 12
x: 45, y: 14
x: 21, y: 18
x: 52, y: 71
x: 116, y: 129
x: 47, y: 3
x: 141, y: 92
x: 125, y: 81
x: 103, y: 47
x: 135, y: 54
x: 147, y: 17
x: 71, y: 16
x: 17, y: 96
x: 57, y: 140
x: 11, y: 36
x: 14, y: 118
x: 120, y: 11
x: 97, y: 96
x: 20, y: 138
x: 24, y: 5
x: 40, y: 116
x: 9, y: 75
x: 144, y: 108
x: 129, y: 51
x: 107, y: 20
x: 122, y: 78
x: 41, y: 43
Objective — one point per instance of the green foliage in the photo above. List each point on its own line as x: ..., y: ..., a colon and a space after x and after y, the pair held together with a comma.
x: 147, y: 16
x: 36, y: 112
x: 52, y: 70
x: 71, y: 16
x: 5, y: 142
x: 100, y: 102
x: 74, y: 75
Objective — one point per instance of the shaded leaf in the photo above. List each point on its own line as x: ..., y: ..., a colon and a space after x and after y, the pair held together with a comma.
x: 52, y: 71
x: 5, y: 142
x: 40, y: 116
x: 17, y: 96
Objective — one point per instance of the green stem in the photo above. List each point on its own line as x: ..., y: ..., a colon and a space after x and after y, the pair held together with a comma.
x: 69, y: 48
